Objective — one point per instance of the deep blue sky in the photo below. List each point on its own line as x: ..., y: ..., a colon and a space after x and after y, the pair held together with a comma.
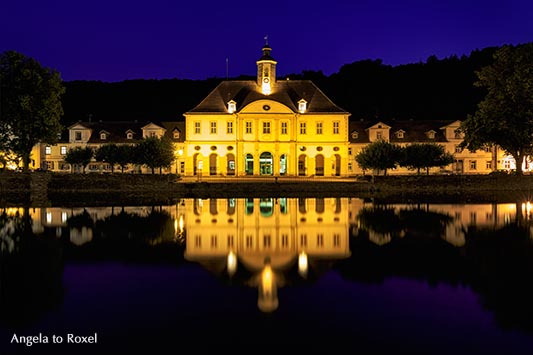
x: 112, y: 40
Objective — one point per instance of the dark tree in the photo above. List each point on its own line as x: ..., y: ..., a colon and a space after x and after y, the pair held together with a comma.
x: 379, y: 155
x: 79, y: 157
x: 31, y: 105
x: 108, y: 153
x: 155, y: 153
x: 505, y: 116
x: 425, y: 156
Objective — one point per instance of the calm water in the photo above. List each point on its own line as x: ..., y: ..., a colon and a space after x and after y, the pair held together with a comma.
x: 329, y: 275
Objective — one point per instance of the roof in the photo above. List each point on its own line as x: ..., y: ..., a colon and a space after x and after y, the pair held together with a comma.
x: 286, y: 92
x: 116, y: 130
x: 414, y: 130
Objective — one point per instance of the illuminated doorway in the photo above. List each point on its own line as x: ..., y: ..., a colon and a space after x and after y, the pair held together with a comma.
x: 231, y: 164
x: 249, y: 164
x: 283, y: 164
x: 265, y: 164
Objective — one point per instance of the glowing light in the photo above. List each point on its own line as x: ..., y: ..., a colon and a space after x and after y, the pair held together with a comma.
x: 181, y: 223
x: 232, y: 263
x: 232, y: 106
x: 266, y: 89
x: 302, y: 106
x: 268, y: 298
x: 302, y: 264
x: 48, y: 217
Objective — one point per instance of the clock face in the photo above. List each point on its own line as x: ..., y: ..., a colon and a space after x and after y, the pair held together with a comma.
x: 266, y: 80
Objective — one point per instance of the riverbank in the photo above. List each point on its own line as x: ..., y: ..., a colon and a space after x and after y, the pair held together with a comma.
x: 70, y: 189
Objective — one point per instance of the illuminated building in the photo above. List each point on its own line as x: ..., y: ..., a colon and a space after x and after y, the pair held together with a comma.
x: 266, y: 127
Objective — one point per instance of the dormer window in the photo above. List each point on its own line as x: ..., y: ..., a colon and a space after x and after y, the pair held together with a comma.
x: 129, y: 135
x: 400, y: 134
x: 176, y: 134
x: 232, y: 106
x: 103, y: 136
x: 457, y: 134
x: 355, y: 135
x: 302, y: 106
x: 430, y: 134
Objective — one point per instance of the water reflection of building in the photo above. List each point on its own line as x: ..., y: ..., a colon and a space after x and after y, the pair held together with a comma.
x: 268, y: 236
x: 462, y: 217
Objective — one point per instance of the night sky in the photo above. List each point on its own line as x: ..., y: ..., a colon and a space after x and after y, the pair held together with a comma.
x: 112, y: 40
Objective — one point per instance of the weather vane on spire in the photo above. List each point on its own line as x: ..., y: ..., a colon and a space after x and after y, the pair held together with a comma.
x: 266, y: 40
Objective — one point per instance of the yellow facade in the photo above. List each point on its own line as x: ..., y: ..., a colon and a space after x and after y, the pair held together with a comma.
x: 266, y: 128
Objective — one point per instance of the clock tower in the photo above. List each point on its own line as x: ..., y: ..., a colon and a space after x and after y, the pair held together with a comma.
x: 266, y: 70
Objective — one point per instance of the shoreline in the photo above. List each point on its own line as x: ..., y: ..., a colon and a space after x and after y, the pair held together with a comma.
x: 42, y: 189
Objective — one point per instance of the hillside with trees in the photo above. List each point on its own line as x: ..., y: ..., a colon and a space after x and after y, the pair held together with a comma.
x: 434, y: 89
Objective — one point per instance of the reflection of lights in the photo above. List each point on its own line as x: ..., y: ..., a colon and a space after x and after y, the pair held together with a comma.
x: 302, y: 264
x: 63, y: 217
x: 268, y: 298
x: 232, y: 263
x: 181, y: 223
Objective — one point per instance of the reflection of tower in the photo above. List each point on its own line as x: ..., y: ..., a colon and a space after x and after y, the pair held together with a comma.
x: 268, y: 291
x: 267, y: 237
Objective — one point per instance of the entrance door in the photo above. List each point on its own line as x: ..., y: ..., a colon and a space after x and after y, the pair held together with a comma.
x: 249, y: 164
x: 231, y: 164
x: 301, y: 165
x: 283, y: 164
x: 213, y: 164
x: 265, y: 164
x: 319, y: 165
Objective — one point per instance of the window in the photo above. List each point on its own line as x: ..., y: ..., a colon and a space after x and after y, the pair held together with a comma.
x: 77, y: 136
x: 487, y: 148
x: 349, y: 166
x: 249, y: 240
x: 379, y: 135
x: 319, y: 240
x: 303, y: 240
x: 303, y: 128
x: 473, y: 164
x: 284, y: 240
x: 229, y: 127
x: 213, y: 241
x: 129, y: 135
x: 248, y: 127
x: 232, y: 107
x: 152, y: 135
x: 283, y: 127
x: 48, y: 150
x: 63, y: 150
x: 399, y: 134
x: 176, y: 134
x: 349, y: 150
x: 319, y: 128
x: 488, y: 165
x: 103, y: 136
x: 457, y: 134
x: 197, y: 127
x: 213, y: 125
x: 431, y: 134
x: 266, y: 241
x: 336, y: 125
x: 198, y: 241
x: 302, y: 106
x: 336, y: 240
x: 458, y: 149
x: 266, y: 127
x: 355, y: 135
x: 182, y: 167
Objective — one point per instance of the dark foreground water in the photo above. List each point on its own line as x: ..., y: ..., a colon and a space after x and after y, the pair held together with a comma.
x: 268, y: 275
